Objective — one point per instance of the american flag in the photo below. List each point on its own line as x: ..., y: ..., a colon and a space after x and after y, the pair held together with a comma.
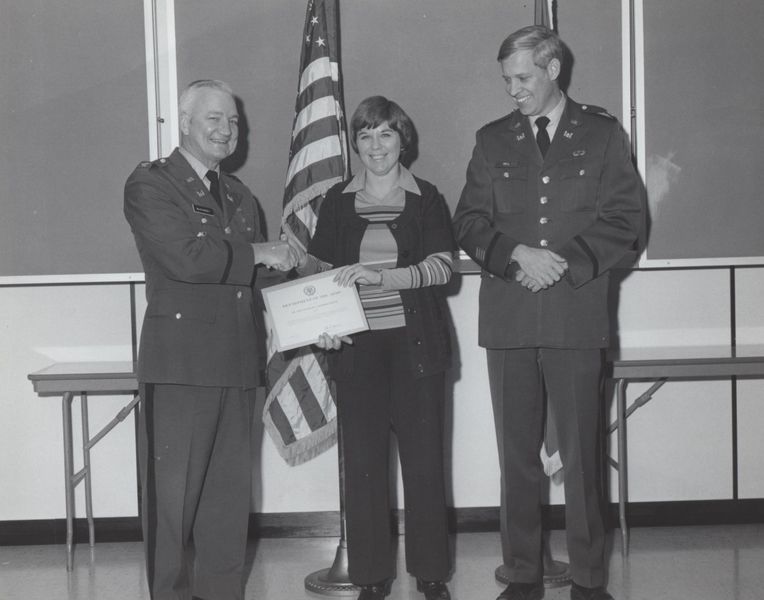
x: 300, y: 412
x: 543, y: 14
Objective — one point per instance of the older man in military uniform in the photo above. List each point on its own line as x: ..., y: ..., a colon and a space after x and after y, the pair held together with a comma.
x: 198, y: 234
x: 551, y: 203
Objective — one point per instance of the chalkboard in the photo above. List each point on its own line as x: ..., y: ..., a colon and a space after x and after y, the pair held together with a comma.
x: 74, y: 119
x: 436, y: 58
x: 73, y: 124
x: 704, y: 128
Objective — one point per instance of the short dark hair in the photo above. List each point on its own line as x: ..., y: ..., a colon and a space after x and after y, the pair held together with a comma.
x: 545, y: 44
x: 375, y: 110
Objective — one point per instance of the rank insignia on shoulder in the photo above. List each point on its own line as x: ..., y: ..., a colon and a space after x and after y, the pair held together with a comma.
x: 203, y: 210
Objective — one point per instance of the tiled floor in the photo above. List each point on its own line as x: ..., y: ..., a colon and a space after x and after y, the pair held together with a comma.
x: 680, y: 563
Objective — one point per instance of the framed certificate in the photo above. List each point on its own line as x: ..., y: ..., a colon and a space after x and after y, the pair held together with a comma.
x: 302, y: 309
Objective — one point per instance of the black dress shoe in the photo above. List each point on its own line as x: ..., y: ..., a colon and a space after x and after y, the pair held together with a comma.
x: 522, y: 591
x: 579, y: 592
x: 376, y: 591
x: 433, y: 590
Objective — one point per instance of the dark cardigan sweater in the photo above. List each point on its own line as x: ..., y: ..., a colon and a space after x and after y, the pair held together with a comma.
x: 423, y: 228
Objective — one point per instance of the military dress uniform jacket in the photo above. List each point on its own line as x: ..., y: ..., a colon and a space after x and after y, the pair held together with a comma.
x: 200, y: 326
x: 584, y: 201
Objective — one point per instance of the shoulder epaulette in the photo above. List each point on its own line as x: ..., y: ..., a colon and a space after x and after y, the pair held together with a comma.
x: 148, y: 164
x: 499, y: 121
x: 591, y: 109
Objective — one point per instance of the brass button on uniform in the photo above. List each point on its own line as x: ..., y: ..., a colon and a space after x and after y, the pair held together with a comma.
x: 543, y: 243
x: 239, y: 294
x: 544, y: 220
x: 543, y: 200
x: 177, y: 315
x: 545, y: 179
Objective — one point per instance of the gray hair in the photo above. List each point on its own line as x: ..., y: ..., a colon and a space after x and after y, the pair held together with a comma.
x: 188, y: 96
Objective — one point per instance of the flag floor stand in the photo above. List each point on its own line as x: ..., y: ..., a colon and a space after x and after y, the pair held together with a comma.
x: 556, y: 572
x: 335, y: 580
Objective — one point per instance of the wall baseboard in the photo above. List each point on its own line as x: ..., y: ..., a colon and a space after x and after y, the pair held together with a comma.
x: 462, y: 520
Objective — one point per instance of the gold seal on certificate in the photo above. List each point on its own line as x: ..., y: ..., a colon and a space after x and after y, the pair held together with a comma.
x: 301, y: 310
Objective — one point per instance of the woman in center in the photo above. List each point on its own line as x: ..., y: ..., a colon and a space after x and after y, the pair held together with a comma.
x: 391, y: 234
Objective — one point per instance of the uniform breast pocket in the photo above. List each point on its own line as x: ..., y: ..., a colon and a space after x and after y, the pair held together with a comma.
x: 175, y: 305
x: 244, y: 223
x: 510, y: 187
x: 579, y: 180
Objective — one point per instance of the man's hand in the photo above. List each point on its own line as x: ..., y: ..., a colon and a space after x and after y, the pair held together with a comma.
x: 275, y: 255
x: 527, y: 282
x: 543, y: 266
x: 298, y: 252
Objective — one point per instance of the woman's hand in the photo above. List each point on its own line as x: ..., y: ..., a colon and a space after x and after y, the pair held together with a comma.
x: 358, y: 273
x: 332, y: 342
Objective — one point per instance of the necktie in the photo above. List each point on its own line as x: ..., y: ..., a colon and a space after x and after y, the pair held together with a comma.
x: 542, y: 136
x: 215, y: 187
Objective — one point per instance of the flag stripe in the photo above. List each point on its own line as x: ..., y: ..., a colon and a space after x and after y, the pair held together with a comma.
x: 289, y: 400
x: 323, y: 129
x: 321, y: 88
x: 312, y: 182
x: 279, y: 419
x: 312, y: 153
x: 311, y: 410
x: 320, y: 109
x: 321, y: 68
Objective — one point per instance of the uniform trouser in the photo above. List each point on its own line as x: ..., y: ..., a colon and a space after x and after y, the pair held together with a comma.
x: 572, y: 379
x: 381, y: 395
x: 195, y: 460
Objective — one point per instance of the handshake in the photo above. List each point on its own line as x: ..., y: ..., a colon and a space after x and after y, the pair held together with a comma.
x: 284, y: 254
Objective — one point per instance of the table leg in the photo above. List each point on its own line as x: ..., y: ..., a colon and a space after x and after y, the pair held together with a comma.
x: 622, y: 468
x: 86, y: 467
x: 68, y: 476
